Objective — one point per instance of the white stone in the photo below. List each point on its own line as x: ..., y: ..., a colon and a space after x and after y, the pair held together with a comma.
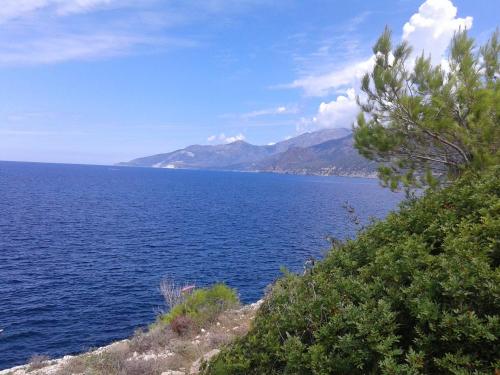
x: 195, y: 368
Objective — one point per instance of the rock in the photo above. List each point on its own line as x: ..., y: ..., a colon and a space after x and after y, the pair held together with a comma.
x: 173, y: 372
x: 195, y: 368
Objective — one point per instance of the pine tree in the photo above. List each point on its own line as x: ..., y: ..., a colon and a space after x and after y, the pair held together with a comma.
x: 426, y: 124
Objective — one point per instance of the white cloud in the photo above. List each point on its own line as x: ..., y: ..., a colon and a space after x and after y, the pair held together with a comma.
x: 71, y: 47
x: 53, y: 31
x: 239, y: 137
x: 49, y: 31
x: 222, y: 138
x: 77, y: 6
x: 338, y: 113
x: 12, y: 9
x: 282, y: 110
x: 431, y: 29
x: 322, y: 85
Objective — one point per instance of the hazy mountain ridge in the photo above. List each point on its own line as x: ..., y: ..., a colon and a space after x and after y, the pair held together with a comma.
x: 333, y: 157
x: 324, y: 152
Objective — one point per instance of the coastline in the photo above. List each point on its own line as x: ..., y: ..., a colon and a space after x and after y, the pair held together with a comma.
x: 234, y: 323
x: 323, y: 172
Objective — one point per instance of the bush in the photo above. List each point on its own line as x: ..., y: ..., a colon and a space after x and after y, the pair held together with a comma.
x: 417, y: 293
x: 181, y: 325
x: 204, y: 305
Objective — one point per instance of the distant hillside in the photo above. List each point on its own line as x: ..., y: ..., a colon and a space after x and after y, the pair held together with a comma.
x: 324, y: 152
x: 211, y: 157
x: 333, y: 157
x: 311, y: 138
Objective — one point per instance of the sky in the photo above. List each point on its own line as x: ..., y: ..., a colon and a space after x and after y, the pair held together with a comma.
x: 104, y: 81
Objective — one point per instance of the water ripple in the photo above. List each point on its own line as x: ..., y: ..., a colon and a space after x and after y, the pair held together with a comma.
x: 83, y: 248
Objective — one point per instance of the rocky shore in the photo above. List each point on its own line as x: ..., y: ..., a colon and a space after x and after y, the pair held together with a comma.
x: 156, y: 351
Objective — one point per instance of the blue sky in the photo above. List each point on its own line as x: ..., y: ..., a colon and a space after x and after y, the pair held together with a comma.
x: 103, y: 81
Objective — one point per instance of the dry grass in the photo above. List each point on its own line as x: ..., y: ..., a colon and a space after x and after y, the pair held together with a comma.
x: 148, y: 367
x: 150, y: 352
x: 38, y: 361
x: 157, y: 339
x: 153, y: 351
x: 114, y: 363
x: 218, y: 339
x: 76, y: 365
x: 159, y: 349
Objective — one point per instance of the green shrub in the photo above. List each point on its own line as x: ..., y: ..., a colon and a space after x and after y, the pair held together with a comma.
x: 417, y: 293
x: 204, y: 305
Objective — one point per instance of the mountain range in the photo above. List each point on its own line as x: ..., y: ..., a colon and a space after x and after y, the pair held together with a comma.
x: 323, y: 152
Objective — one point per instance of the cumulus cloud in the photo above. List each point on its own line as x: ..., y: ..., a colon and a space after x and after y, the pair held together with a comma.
x: 338, y: 113
x: 238, y: 137
x: 431, y: 29
x: 222, y: 138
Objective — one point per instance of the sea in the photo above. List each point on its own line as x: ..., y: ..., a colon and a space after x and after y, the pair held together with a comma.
x: 83, y: 248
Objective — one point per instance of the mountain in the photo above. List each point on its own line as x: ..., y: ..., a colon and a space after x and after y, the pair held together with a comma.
x: 333, y: 157
x: 325, y: 152
x: 311, y: 138
x: 210, y: 157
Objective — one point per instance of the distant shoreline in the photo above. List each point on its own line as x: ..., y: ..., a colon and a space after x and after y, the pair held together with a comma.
x: 291, y: 173
x: 121, y: 165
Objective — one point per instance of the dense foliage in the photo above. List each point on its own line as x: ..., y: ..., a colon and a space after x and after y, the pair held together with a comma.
x: 417, y: 293
x: 427, y: 124
x: 203, y: 305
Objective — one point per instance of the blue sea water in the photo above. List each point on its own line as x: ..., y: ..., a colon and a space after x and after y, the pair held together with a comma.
x: 83, y: 248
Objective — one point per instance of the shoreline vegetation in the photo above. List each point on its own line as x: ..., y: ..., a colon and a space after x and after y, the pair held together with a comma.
x: 416, y: 293
x: 199, y: 323
x: 325, y: 172
x: 419, y: 292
